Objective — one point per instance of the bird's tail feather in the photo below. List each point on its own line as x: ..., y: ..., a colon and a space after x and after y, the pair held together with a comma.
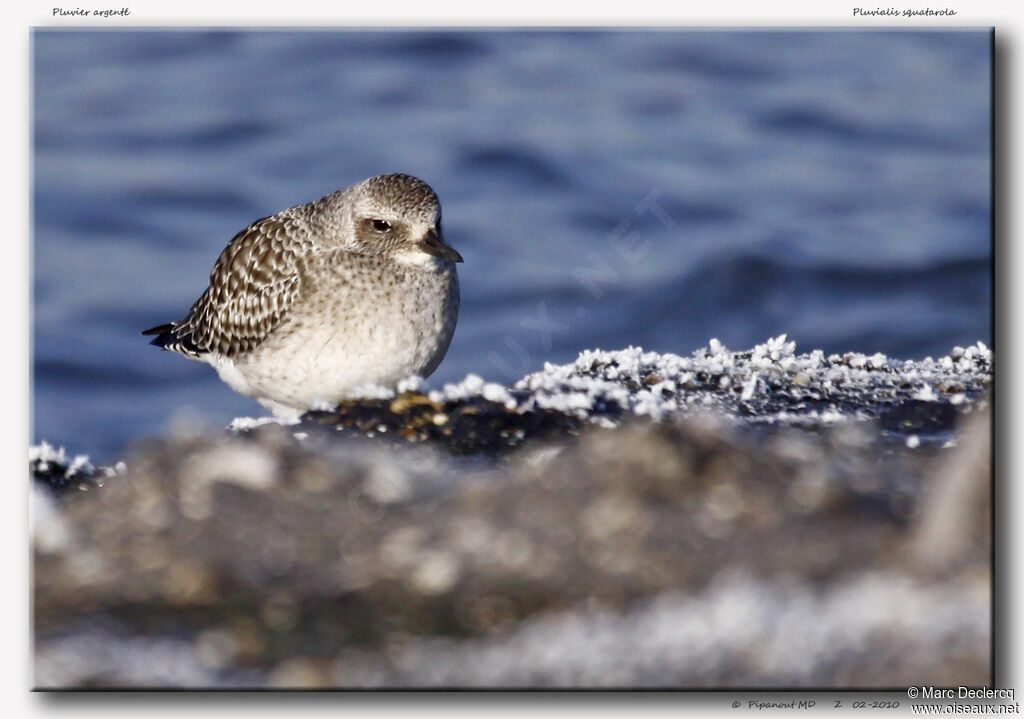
x: 168, y: 338
x: 164, y: 335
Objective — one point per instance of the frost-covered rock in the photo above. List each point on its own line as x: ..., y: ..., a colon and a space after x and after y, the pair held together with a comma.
x: 768, y: 386
x: 50, y: 466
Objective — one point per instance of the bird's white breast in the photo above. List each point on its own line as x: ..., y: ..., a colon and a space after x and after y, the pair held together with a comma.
x: 356, y: 327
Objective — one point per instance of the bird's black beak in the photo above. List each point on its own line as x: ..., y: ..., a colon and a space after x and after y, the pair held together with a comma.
x: 434, y: 245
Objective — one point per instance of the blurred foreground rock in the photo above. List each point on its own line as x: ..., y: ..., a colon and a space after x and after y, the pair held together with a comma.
x: 692, y: 552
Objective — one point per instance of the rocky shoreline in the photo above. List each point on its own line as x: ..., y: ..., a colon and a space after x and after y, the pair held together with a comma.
x: 757, y: 519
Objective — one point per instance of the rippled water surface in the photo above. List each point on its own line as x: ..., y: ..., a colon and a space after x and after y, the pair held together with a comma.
x: 605, y: 188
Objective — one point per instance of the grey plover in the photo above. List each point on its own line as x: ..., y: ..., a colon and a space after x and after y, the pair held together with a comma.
x: 322, y: 301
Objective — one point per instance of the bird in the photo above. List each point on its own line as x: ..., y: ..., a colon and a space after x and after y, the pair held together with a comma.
x: 325, y: 301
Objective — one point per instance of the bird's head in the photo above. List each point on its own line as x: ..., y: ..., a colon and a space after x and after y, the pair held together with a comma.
x: 399, y: 216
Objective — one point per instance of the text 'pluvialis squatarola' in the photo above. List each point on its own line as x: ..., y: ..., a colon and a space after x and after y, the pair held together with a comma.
x: 355, y: 290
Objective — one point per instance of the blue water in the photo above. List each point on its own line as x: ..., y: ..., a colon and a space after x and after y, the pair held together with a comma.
x: 654, y: 188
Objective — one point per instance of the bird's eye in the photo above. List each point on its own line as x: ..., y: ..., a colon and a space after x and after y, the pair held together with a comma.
x: 381, y: 225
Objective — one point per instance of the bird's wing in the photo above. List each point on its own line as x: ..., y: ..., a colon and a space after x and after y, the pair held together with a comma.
x: 252, y: 285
